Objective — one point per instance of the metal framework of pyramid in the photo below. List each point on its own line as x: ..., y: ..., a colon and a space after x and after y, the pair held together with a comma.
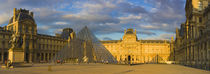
x: 85, y: 45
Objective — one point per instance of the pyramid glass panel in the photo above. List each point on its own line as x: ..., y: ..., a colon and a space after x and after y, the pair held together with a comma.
x: 85, y: 48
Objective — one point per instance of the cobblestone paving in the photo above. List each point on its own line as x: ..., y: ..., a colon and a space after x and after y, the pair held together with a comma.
x: 104, y: 69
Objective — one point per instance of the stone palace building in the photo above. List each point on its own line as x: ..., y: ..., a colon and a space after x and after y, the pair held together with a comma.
x: 43, y: 48
x: 36, y: 47
x: 129, y: 48
x: 192, y: 43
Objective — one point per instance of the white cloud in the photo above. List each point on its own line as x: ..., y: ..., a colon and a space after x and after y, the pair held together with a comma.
x: 60, y: 23
x: 149, y: 26
x: 153, y: 10
x: 131, y: 17
x: 44, y: 12
x: 164, y: 25
x: 58, y: 30
x: 164, y: 36
x: 4, y: 17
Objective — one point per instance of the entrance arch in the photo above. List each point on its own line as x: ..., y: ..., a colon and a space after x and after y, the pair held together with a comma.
x: 129, y: 58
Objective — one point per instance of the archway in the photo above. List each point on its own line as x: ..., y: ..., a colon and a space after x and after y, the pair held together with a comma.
x: 129, y: 58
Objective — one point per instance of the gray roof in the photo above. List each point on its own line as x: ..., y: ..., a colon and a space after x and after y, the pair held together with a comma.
x: 21, y: 16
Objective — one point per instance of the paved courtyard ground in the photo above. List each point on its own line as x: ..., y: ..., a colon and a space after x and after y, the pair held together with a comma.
x: 104, y: 69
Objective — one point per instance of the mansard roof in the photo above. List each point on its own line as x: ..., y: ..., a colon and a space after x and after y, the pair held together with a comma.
x: 21, y: 16
x: 155, y: 41
x: 129, y: 31
x: 111, y: 41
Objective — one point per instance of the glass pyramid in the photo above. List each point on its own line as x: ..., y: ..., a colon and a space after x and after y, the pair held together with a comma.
x: 85, y: 48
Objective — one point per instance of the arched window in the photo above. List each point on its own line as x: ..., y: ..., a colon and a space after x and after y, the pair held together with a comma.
x: 20, y: 28
x: 32, y: 30
x: 26, y: 29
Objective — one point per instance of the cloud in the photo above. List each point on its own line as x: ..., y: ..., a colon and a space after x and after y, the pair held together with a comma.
x: 149, y: 27
x: 169, y: 12
x: 101, y: 16
x: 163, y: 36
x: 89, y: 19
x: 61, y: 23
x: 130, y: 8
x: 146, y: 32
x: 131, y: 17
x: 3, y: 18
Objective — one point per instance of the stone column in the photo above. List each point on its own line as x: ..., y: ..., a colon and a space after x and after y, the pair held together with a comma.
x: 3, y: 59
x: 35, y: 57
x: 30, y: 57
x: 31, y: 49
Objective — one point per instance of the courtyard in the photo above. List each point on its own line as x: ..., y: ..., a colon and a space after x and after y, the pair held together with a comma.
x: 103, y: 69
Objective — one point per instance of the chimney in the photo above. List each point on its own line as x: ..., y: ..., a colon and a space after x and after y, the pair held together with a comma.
x: 135, y: 31
x: 14, y: 14
x: 32, y: 14
x: 124, y: 31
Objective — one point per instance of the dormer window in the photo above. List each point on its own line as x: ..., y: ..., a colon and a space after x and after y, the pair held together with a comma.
x: 26, y: 29
x: 32, y: 30
x: 200, y: 19
x: 20, y: 28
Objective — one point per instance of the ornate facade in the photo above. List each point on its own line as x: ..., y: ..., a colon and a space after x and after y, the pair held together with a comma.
x: 43, y: 48
x: 192, y: 44
x: 36, y: 47
x: 130, y: 49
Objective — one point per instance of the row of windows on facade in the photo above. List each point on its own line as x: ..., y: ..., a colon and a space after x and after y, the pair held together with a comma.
x: 145, y: 58
x: 4, y: 36
x: 203, y: 45
x: 48, y: 41
x: 199, y: 56
x: 145, y: 52
x: 157, y: 46
x: 145, y: 42
x: 41, y: 46
x: 41, y: 40
x: 200, y: 48
x: 20, y: 29
x: 53, y: 47
x: 46, y: 56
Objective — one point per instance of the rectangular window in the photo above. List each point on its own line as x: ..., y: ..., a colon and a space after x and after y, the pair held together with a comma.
x: 26, y: 29
x: 0, y: 57
x: 46, y: 56
x: 42, y: 56
x: 200, y: 19
x: 32, y: 30
x: 39, y: 46
x: 20, y: 28
x: 208, y: 45
x: 208, y: 16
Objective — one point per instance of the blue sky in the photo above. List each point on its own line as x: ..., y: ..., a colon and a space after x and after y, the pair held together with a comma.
x: 153, y: 19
